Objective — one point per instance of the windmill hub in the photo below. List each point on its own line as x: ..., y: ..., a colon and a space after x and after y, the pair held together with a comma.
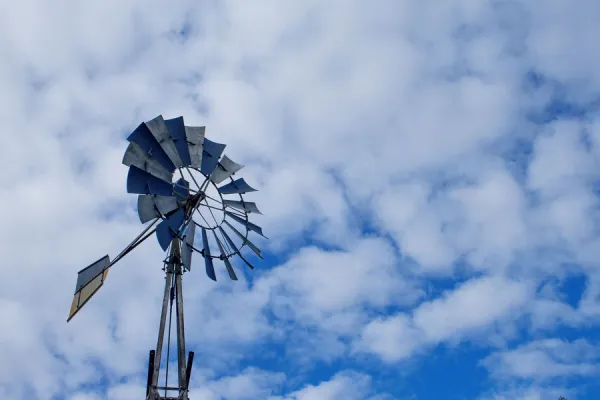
x: 175, y: 171
x: 192, y: 203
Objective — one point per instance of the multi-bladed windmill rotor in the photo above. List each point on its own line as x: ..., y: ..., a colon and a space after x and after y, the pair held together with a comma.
x: 185, y: 186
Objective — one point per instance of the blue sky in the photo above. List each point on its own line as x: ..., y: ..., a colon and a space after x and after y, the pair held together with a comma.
x: 427, y: 173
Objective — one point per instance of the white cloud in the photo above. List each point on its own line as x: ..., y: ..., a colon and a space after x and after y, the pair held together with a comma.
x: 249, y: 384
x: 475, y: 304
x: 331, y: 281
x: 393, y: 339
x: 404, y: 212
x: 554, y: 29
x: 546, y: 360
x: 86, y: 396
x: 530, y: 393
x: 345, y: 385
x: 349, y: 116
x: 494, y: 227
x: 470, y: 309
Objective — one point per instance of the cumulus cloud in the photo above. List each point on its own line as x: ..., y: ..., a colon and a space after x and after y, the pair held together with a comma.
x: 545, y: 359
x: 425, y: 172
x: 471, y: 308
x: 346, y: 385
x: 530, y: 393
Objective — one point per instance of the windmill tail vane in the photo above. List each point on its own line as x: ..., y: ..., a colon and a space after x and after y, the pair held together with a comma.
x: 181, y: 178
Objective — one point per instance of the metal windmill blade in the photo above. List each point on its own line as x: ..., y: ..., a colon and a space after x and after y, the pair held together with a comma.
x: 176, y: 128
x: 226, y: 261
x: 159, y: 130
x: 152, y: 206
x: 224, y: 170
x: 249, y: 225
x: 234, y: 247
x: 140, y: 181
x: 169, y: 228
x: 210, y: 268
x: 188, y: 247
x: 238, y: 186
x: 174, y: 169
x: 248, y: 206
x: 244, y: 239
x: 144, y: 137
x: 210, y: 156
x: 195, y: 140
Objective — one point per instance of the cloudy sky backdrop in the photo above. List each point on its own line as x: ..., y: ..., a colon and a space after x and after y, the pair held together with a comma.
x: 428, y: 173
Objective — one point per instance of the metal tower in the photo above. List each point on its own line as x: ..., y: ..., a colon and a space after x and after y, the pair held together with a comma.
x: 160, y: 151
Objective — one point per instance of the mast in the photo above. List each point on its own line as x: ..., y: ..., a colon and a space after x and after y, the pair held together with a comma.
x: 173, y: 290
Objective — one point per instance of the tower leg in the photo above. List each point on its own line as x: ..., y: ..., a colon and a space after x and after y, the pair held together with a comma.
x: 181, y: 359
x: 153, y: 391
x: 173, y: 280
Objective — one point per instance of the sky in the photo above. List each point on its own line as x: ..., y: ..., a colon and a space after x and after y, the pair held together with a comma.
x: 428, y: 174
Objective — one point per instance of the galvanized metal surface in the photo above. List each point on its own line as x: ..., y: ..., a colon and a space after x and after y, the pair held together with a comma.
x: 247, y: 224
x: 244, y: 239
x: 90, y: 272
x: 225, y: 259
x: 172, y: 281
x: 181, y: 190
x: 233, y: 246
x: 195, y: 141
x: 168, y: 229
x: 176, y: 128
x: 187, y: 249
x: 228, y: 239
x: 224, y: 170
x: 151, y: 206
x: 210, y: 157
x: 143, y: 137
x: 181, y: 361
x: 141, y: 182
x: 208, y: 262
x: 248, y: 206
x: 159, y: 130
x: 237, y: 186
x: 135, y: 155
x: 163, y: 321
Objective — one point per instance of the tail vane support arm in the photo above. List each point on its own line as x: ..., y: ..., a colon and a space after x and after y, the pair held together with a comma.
x: 91, y: 278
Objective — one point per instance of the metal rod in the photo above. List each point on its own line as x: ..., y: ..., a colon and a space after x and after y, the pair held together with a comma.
x: 150, y: 371
x: 213, y: 207
x: 131, y: 248
x: 169, y: 337
x: 205, y: 183
x: 237, y: 212
x: 211, y: 213
x: 192, y: 176
x: 181, y: 356
x: 167, y: 388
x: 226, y: 243
x: 213, y: 199
x: 186, y: 188
x: 207, y: 224
x: 163, y: 318
x: 135, y: 242
x: 188, y: 370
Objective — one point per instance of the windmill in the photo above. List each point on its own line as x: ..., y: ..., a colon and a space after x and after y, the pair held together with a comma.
x: 181, y: 178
